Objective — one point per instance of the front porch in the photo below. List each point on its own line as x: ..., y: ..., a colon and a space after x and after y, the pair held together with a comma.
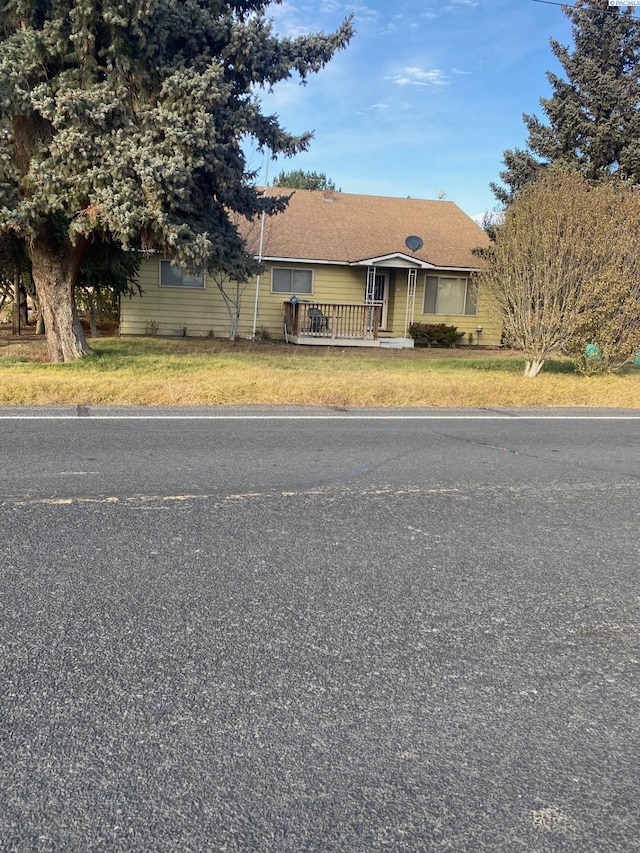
x: 344, y: 324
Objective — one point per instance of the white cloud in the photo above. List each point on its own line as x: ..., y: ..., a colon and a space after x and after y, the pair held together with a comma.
x: 489, y: 217
x: 339, y: 7
x: 360, y: 10
x: 429, y: 10
x: 287, y: 21
x: 285, y: 95
x: 374, y: 108
x: 413, y: 76
x: 294, y: 19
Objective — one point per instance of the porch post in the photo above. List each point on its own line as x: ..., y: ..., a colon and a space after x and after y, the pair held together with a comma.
x: 370, y: 290
x: 412, y: 276
x: 369, y: 315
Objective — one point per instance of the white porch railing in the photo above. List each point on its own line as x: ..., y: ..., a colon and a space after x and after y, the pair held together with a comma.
x: 333, y: 321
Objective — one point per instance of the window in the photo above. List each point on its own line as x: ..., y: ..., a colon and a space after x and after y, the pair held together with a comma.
x: 172, y: 275
x: 291, y: 281
x: 449, y: 295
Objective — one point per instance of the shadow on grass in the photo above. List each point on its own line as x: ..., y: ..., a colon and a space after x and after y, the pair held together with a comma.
x: 112, y: 353
x: 162, y: 346
x: 514, y: 366
x: 157, y: 354
x: 555, y: 366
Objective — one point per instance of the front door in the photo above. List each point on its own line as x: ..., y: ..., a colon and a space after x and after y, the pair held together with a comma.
x: 381, y: 294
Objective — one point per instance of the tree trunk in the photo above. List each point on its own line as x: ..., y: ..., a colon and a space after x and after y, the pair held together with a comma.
x: 15, y: 314
x: 532, y: 368
x: 233, y: 328
x: 55, y: 270
x: 24, y: 308
x: 93, y: 323
x: 22, y: 303
x: 40, y: 330
x: 38, y: 312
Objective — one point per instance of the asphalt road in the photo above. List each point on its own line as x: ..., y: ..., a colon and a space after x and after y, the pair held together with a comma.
x: 322, y: 634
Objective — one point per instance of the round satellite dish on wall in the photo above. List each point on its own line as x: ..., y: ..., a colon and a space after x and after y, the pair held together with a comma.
x: 413, y: 243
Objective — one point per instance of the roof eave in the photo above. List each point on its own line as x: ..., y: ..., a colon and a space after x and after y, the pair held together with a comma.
x: 283, y: 260
x: 385, y: 260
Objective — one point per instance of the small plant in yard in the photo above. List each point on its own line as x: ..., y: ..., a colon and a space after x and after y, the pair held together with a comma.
x: 151, y: 328
x: 263, y: 334
x: 434, y: 333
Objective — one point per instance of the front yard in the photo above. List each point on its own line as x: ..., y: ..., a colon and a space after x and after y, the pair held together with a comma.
x: 199, y: 372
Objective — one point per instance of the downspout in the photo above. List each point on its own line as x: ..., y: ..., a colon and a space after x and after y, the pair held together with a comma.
x: 255, y: 307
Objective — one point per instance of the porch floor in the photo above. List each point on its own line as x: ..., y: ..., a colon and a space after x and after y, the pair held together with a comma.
x: 330, y: 341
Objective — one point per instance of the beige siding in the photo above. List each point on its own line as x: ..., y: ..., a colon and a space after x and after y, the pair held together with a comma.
x: 331, y: 283
x: 491, y: 329
x: 202, y: 312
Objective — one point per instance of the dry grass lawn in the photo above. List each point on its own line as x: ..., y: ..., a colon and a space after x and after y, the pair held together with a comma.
x: 196, y: 372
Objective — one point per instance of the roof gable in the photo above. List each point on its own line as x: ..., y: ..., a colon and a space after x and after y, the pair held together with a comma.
x: 359, y: 229
x: 396, y: 259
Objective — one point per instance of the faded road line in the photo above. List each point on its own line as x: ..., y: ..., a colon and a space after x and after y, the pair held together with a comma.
x: 130, y: 500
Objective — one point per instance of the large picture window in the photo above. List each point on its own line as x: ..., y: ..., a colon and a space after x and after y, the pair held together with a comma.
x: 450, y: 295
x: 286, y: 280
x: 173, y: 276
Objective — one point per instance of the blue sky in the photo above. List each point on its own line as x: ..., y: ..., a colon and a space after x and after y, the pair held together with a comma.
x: 426, y: 97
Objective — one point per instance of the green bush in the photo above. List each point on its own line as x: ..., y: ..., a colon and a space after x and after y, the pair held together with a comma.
x: 434, y: 333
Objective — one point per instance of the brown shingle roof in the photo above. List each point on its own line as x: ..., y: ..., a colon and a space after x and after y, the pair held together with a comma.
x: 347, y: 228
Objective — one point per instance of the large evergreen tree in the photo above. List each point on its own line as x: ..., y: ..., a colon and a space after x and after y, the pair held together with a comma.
x: 593, y: 116
x: 123, y: 119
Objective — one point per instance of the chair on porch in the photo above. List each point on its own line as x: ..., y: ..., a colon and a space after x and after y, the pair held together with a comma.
x: 318, y: 322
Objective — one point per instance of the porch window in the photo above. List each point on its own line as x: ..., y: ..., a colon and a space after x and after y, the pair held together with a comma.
x: 286, y: 280
x: 172, y: 275
x: 449, y: 295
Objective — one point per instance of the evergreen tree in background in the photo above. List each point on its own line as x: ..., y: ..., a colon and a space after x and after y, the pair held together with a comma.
x: 122, y: 121
x: 299, y: 180
x: 594, y: 114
